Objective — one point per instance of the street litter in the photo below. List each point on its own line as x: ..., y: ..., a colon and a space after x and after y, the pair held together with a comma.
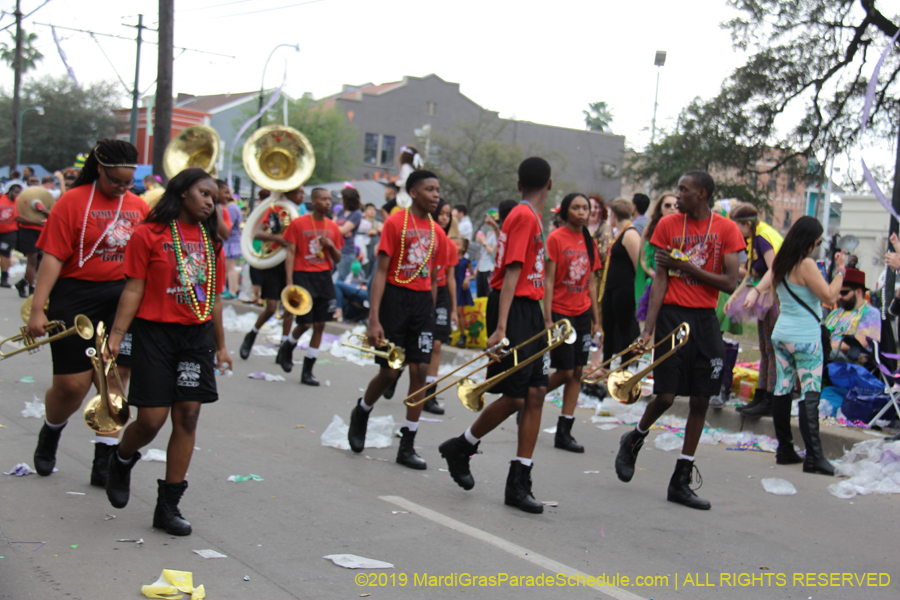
x: 210, y: 554
x: 601, y: 419
x: 20, y: 470
x: 550, y: 430
x: 109, y: 517
x: 779, y: 487
x: 240, y: 478
x: 378, y: 434
x: 235, y: 323
x: 264, y: 351
x: 27, y: 379
x: 171, y: 582
x: 431, y: 420
x: 590, y: 472
x: 246, y: 578
x: 607, y: 426
x: 265, y: 376
x: 40, y: 545
x: 668, y: 441
x: 351, y: 561
x: 379, y: 459
x: 873, y: 467
x: 76, y: 493
x: 400, y: 512
x: 550, y: 503
x: 299, y: 426
x: 155, y: 454
x: 137, y: 542
x: 34, y: 409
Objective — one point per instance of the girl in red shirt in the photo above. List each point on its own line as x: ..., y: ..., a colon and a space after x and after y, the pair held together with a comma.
x: 176, y: 274
x: 82, y: 272
x: 570, y: 292
x: 9, y: 229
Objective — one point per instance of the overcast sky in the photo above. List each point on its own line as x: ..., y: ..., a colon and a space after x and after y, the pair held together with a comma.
x: 532, y: 61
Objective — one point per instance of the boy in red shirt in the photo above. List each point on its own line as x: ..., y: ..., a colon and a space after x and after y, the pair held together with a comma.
x: 401, y: 309
x: 571, y: 293
x: 514, y: 312
x: 315, y: 247
x: 9, y: 229
x: 696, y: 258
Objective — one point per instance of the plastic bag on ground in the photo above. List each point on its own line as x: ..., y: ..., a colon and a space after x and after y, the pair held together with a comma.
x: 873, y: 467
x: 668, y: 441
x: 236, y: 323
x: 779, y: 487
x: 378, y: 434
x: 155, y: 454
x: 34, y: 409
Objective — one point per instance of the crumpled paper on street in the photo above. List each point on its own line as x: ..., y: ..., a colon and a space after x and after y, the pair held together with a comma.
x: 34, y: 409
x: 873, y: 467
x: 209, y: 554
x: 352, y: 561
x: 378, y: 433
x: 155, y: 454
x: 779, y: 487
x: 265, y: 376
x: 171, y: 584
x: 235, y: 323
x: 20, y: 470
x: 241, y: 478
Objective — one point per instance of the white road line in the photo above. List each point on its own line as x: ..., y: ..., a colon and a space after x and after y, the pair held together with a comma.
x: 508, y: 547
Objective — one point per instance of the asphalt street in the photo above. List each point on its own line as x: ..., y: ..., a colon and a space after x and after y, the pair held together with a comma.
x: 316, y: 501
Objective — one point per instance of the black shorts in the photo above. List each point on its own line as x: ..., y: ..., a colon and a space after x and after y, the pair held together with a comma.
x: 568, y: 356
x: 696, y: 369
x: 98, y: 301
x: 27, y: 241
x: 255, y: 276
x: 274, y: 281
x: 442, y: 328
x: 8, y: 243
x: 407, y: 317
x: 525, y: 320
x: 321, y: 288
x: 172, y: 363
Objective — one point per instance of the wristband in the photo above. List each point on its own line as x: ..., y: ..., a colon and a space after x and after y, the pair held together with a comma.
x: 840, y: 272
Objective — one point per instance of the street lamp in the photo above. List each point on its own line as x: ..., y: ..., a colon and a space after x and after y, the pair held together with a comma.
x: 40, y: 111
x: 659, y: 61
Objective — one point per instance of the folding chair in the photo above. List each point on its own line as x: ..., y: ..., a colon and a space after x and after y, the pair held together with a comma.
x: 889, y: 379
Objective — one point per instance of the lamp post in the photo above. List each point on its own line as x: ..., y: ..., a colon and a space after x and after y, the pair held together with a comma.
x: 659, y: 61
x: 40, y: 111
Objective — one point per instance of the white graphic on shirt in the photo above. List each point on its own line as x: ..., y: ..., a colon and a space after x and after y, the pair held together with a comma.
x: 717, y: 364
x: 426, y: 341
x: 314, y: 248
x: 501, y: 246
x: 578, y: 268
x: 6, y: 213
x: 441, y: 316
x: 119, y: 234
x: 196, y: 264
x: 125, y: 345
x: 188, y: 374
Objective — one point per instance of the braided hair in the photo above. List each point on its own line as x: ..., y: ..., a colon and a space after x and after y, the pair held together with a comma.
x: 109, y: 152
x: 564, y: 216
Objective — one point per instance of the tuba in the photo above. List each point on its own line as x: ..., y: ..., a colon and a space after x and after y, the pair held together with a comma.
x: 197, y: 146
x: 280, y: 159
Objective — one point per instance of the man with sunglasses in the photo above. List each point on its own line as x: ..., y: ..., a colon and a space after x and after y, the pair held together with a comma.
x: 854, y: 317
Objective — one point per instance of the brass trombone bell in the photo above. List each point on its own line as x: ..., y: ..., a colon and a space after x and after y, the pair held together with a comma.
x: 25, y: 311
x: 394, y: 355
x: 83, y: 328
x: 194, y: 147
x: 106, y: 412
x: 296, y: 300
x: 636, y: 347
x: 625, y: 387
x: 278, y: 158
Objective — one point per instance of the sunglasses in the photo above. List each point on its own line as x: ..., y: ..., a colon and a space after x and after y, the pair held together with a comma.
x: 845, y: 292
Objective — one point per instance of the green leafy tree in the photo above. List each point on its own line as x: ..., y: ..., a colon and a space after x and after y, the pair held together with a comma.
x: 30, y: 54
x: 599, y: 117
x: 73, y: 120
x: 333, y: 138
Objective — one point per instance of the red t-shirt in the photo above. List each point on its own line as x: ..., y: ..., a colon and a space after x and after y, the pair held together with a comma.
x: 8, y: 214
x: 61, y: 235
x: 451, y: 259
x: 151, y: 256
x: 416, y: 247
x: 310, y: 256
x: 706, y: 253
x: 571, y: 288
x: 226, y: 218
x: 520, y: 241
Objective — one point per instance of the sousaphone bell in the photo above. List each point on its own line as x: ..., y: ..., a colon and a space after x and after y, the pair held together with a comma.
x: 35, y: 203
x: 194, y: 147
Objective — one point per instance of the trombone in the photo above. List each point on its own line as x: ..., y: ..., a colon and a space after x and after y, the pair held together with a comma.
x: 471, y: 393
x: 623, y: 386
x: 105, y: 412
x: 83, y: 327
x: 394, y: 355
x: 637, y: 347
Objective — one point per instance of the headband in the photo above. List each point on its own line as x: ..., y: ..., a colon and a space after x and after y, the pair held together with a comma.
x: 745, y: 218
x: 417, y: 162
x: 97, y: 155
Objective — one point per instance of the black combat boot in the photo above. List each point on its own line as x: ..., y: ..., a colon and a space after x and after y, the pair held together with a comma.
x: 285, y: 356
x: 100, y: 466
x: 4, y: 280
x: 406, y: 454
x: 247, y: 344
x: 431, y: 405
x: 306, y: 377
x: 457, y: 451
x: 167, y: 516
x: 759, y: 397
x: 359, y: 423
x: 761, y: 409
x: 564, y: 439
x: 22, y: 286
x: 518, y: 489
x: 629, y: 446
x: 815, y: 461
x: 45, y: 453
x: 781, y: 417
x: 118, y: 482
x: 680, y: 486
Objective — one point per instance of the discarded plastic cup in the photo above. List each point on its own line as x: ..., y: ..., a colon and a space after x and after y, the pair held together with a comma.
x: 226, y: 373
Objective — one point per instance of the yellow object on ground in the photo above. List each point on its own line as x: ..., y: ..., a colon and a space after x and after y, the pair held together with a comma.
x: 171, y: 584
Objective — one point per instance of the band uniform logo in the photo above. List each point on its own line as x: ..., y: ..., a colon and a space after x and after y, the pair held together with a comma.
x: 125, y: 346
x: 426, y: 341
x: 418, y: 250
x: 441, y: 316
x: 188, y: 374
x: 716, y: 364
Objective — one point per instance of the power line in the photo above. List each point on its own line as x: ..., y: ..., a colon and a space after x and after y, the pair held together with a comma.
x: 263, y: 10
x: 46, y: 2
x: 213, y: 6
x: 92, y: 33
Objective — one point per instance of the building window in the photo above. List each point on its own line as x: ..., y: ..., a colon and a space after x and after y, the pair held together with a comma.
x: 370, y: 153
x: 791, y: 184
x: 787, y: 220
x: 388, y: 143
x: 773, y: 181
x: 431, y: 109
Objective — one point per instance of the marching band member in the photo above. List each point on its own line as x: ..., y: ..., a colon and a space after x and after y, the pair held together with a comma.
x: 401, y: 310
x: 514, y: 312
x: 82, y: 272
x: 9, y: 230
x: 314, y: 249
x: 696, y: 257
x: 176, y: 274
x: 570, y: 293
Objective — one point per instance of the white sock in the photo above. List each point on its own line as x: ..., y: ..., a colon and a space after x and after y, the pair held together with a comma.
x: 255, y: 329
x: 639, y: 430
x: 430, y: 379
x: 365, y: 406
x: 411, y: 425
x: 106, y: 440
x: 524, y: 461
x: 568, y: 416
x: 686, y: 457
x: 124, y: 461
x: 285, y: 338
x: 55, y: 427
x: 471, y: 438
x: 293, y: 340
x: 312, y: 353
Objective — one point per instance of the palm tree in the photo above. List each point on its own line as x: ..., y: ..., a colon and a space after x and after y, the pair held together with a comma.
x: 30, y: 54
x: 599, y: 117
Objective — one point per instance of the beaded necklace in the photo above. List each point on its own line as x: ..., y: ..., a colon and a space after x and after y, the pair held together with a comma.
x: 81, y: 259
x: 402, y: 246
x: 195, y: 292
x: 321, y: 252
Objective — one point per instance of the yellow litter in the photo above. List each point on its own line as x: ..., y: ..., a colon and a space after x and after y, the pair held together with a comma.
x: 170, y: 585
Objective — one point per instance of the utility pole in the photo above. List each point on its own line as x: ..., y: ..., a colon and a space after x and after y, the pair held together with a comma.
x: 17, y: 85
x: 135, y: 93
x: 162, y: 128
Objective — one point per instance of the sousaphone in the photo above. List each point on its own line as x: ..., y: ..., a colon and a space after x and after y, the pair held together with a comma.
x: 35, y: 203
x: 279, y: 159
x: 194, y: 147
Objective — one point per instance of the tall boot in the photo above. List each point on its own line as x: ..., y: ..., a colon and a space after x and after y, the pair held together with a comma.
x: 247, y: 344
x: 45, y: 452
x: 4, y: 279
x: 518, y: 489
x: 457, y: 451
x: 564, y: 439
x: 306, y: 377
x: 781, y: 417
x: 406, y: 454
x: 389, y: 392
x: 761, y: 409
x: 431, y: 405
x: 359, y: 424
x: 758, y: 398
x: 167, y: 516
x: 100, y: 466
x: 815, y: 461
x: 680, y: 486
x: 22, y: 286
x: 629, y: 446
x: 118, y: 483
x: 285, y: 356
